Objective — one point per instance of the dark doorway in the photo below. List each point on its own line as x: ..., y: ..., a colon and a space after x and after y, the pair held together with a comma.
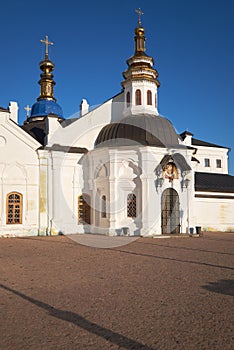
x: 170, y: 215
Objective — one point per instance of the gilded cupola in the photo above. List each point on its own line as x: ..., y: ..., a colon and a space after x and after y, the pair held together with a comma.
x: 46, y: 103
x: 141, y: 78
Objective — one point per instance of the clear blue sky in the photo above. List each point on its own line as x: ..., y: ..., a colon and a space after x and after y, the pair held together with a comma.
x: 191, y: 42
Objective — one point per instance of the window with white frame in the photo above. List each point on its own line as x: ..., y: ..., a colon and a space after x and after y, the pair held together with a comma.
x: 149, y: 97
x: 207, y: 162
x: 218, y: 163
x: 138, y: 97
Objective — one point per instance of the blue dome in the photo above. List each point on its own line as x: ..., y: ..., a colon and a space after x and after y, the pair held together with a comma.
x: 44, y: 107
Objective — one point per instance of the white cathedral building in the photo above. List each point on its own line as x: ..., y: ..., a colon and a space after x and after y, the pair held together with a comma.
x: 120, y: 168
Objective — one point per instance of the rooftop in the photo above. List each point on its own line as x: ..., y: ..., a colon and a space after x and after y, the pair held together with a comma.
x: 212, y: 182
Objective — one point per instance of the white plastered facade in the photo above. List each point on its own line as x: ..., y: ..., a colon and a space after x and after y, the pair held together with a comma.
x: 51, y: 181
x: 52, y: 177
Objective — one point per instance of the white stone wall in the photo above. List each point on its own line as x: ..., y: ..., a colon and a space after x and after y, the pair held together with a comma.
x: 19, y: 172
x: 212, y: 153
x: 84, y: 131
x: 143, y: 86
x: 118, y: 172
x: 51, y: 181
x: 214, y: 214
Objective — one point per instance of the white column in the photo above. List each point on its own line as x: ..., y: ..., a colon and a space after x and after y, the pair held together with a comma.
x: 150, y: 197
x: 112, y: 193
x: 57, y: 199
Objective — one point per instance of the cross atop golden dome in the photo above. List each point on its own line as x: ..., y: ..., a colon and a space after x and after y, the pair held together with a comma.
x: 139, y: 12
x: 47, y: 66
x: 47, y: 43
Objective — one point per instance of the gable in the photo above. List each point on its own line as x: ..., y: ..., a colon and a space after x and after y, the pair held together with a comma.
x: 16, y: 144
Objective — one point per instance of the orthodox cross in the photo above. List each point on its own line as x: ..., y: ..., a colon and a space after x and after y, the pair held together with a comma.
x: 47, y: 43
x: 27, y: 109
x: 139, y: 12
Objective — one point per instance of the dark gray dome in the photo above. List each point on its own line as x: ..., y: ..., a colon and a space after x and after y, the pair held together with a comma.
x: 143, y: 129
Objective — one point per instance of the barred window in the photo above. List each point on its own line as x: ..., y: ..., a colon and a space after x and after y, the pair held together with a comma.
x: 84, y: 209
x: 149, y: 97
x: 138, y: 97
x: 128, y: 98
x: 131, y: 205
x: 14, y: 208
x: 103, y: 206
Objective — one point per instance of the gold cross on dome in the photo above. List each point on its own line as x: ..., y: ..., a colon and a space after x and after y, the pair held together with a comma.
x: 27, y: 109
x: 139, y: 12
x: 47, y: 43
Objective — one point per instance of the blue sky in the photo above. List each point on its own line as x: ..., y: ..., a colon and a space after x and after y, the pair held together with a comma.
x: 191, y: 42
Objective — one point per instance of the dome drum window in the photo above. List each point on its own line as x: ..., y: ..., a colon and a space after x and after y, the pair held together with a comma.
x: 128, y: 99
x: 138, y: 97
x: 149, y: 98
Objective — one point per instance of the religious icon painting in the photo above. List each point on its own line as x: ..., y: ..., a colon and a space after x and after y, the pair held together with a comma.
x: 170, y: 172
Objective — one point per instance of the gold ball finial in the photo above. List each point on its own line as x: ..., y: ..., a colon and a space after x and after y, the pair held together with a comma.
x: 140, y: 31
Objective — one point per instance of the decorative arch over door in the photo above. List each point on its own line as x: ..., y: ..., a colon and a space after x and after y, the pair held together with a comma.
x: 170, y: 212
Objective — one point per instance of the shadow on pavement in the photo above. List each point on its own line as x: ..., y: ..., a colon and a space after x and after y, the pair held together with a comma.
x: 183, y: 248
x: 172, y: 259
x: 223, y: 287
x: 82, y: 322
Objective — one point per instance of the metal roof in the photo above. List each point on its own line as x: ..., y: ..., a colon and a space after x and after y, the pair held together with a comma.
x: 212, y: 182
x: 3, y: 109
x: 196, y: 142
x: 66, y: 149
x: 45, y: 107
x: 143, y: 129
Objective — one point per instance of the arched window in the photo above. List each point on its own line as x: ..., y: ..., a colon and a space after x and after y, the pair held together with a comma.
x: 14, y: 208
x: 138, y: 97
x: 84, y: 209
x: 128, y: 99
x: 149, y: 97
x: 103, y: 206
x: 131, y: 205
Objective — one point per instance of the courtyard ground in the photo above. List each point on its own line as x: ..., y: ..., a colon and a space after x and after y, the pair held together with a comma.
x: 174, y: 293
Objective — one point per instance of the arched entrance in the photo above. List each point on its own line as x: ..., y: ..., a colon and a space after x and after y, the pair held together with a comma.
x: 170, y: 212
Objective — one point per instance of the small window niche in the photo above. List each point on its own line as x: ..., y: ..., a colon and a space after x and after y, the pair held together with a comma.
x: 103, y: 213
x: 218, y: 163
x: 138, y: 97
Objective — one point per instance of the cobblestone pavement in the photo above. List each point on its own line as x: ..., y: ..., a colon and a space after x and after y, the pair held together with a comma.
x: 149, y: 294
